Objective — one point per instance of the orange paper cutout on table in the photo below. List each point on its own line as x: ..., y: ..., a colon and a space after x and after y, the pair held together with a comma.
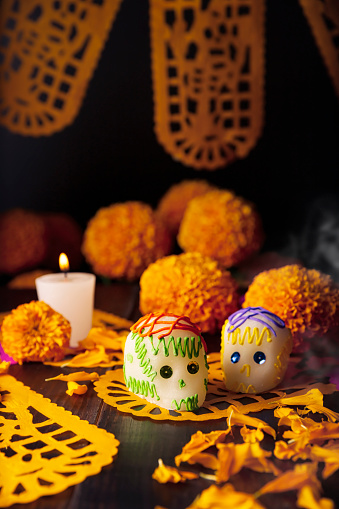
x: 48, y: 53
x: 112, y: 389
x: 323, y: 17
x: 44, y: 449
x: 208, y: 78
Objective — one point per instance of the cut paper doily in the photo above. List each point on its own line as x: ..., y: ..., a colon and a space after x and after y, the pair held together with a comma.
x: 44, y: 449
x: 208, y: 78
x: 112, y: 389
x: 48, y: 53
x: 323, y: 17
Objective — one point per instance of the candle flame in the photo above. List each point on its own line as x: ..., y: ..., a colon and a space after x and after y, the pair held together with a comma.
x: 63, y: 262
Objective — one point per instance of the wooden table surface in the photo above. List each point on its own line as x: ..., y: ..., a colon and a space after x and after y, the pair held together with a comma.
x: 127, y: 482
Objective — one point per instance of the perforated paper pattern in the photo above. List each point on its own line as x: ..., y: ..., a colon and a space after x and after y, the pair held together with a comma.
x: 44, y: 449
x: 208, y: 78
x: 112, y: 389
x: 323, y: 17
x: 48, y: 53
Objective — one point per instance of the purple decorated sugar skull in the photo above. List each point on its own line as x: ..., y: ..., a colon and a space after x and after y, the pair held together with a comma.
x: 255, y: 349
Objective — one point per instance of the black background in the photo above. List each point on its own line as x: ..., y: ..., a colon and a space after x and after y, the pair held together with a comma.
x: 110, y: 152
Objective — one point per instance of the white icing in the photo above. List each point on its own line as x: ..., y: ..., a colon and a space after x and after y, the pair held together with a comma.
x: 246, y: 375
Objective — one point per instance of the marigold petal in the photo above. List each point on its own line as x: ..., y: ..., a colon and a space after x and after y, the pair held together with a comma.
x: 4, y: 367
x: 109, y: 339
x: 233, y: 457
x: 302, y: 475
x: 75, y: 388
x: 236, y: 418
x: 80, y: 376
x: 251, y: 435
x: 308, y: 500
x: 199, y: 442
x: 214, y: 497
x: 164, y: 473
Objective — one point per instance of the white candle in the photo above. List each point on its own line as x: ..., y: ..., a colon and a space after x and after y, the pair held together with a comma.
x: 72, y: 295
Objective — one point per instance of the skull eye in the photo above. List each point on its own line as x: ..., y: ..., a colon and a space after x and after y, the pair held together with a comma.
x: 235, y: 357
x: 166, y: 372
x: 193, y: 367
x: 259, y: 357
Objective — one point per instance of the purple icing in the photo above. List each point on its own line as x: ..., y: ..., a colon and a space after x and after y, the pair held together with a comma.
x: 257, y: 314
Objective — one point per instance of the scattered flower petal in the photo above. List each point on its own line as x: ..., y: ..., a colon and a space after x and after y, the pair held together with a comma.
x: 216, y: 497
x: 74, y: 388
x: 251, y: 435
x: 236, y: 418
x: 233, y: 457
x: 199, y: 442
x: 164, y: 474
x: 4, y: 367
x: 80, y: 376
x: 109, y: 339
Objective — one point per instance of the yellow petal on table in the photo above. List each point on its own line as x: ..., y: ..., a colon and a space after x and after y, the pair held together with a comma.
x: 307, y: 499
x: 89, y: 358
x: 4, y: 366
x: 164, y: 474
x: 109, y: 339
x: 215, y: 497
x: 251, y: 435
x: 320, y: 409
x: 79, y: 376
x: 295, y: 450
x: 74, y: 388
x: 102, y: 318
x: 233, y: 457
x: 312, y: 397
x: 328, y: 454
x: 304, y: 474
x: 199, y: 442
x: 236, y: 418
x: 318, y: 433
x: 205, y: 459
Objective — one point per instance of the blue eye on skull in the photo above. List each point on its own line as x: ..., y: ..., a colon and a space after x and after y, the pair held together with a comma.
x: 259, y: 357
x: 193, y: 367
x: 235, y: 357
x: 166, y: 371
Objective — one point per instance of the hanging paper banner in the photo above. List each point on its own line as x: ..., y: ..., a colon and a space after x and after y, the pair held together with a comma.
x: 208, y: 78
x: 323, y: 17
x: 48, y: 53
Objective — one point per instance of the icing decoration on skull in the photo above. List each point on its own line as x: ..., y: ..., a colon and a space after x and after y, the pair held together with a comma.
x: 165, y: 361
x: 255, y: 349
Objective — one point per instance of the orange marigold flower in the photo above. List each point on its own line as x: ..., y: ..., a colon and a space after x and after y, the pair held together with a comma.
x: 35, y: 332
x: 222, y: 226
x: 173, y: 204
x: 22, y: 240
x: 190, y: 284
x: 306, y: 299
x: 121, y: 240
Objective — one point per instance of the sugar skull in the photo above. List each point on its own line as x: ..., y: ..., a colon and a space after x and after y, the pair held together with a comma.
x: 255, y: 349
x: 165, y: 361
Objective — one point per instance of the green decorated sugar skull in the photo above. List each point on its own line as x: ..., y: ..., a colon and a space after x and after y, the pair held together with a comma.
x: 165, y: 362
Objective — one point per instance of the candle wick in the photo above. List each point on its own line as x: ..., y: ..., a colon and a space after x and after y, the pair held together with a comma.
x: 65, y: 274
